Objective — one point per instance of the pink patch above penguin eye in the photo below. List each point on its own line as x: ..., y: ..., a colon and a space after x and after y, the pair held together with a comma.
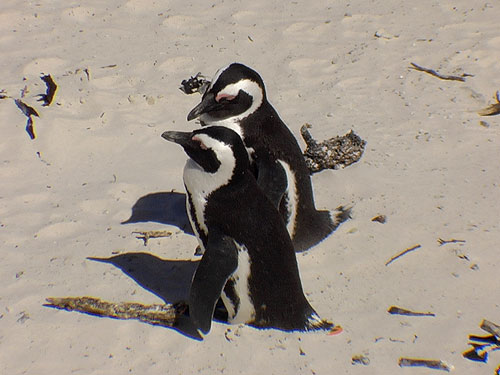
x: 221, y: 96
x: 202, y: 145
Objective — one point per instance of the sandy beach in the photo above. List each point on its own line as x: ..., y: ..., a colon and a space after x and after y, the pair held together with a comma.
x: 98, y: 170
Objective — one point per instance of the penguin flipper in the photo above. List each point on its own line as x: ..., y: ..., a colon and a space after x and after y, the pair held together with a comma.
x: 218, y: 263
x: 272, y: 179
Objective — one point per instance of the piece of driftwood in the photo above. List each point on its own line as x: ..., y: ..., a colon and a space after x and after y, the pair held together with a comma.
x: 429, y: 363
x: 360, y: 359
x: 439, y: 75
x: 50, y: 92
x: 401, y: 254
x: 198, y: 83
x: 156, y: 314
x: 145, y: 236
x: 333, y: 153
x: 491, y: 327
x: 394, y: 310
x: 493, y: 109
x: 380, y: 219
x: 483, y: 345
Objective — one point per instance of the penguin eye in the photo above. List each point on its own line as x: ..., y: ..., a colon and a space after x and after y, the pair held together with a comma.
x: 200, y: 142
x: 224, y: 97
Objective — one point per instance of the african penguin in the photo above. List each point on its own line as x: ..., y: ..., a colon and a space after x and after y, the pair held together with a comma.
x: 248, y: 259
x: 236, y: 99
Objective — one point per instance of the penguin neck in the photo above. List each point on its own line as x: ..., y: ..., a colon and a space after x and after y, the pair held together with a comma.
x: 250, y: 116
x: 202, y: 183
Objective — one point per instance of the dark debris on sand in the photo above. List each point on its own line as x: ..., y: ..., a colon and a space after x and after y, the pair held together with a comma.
x: 334, y: 153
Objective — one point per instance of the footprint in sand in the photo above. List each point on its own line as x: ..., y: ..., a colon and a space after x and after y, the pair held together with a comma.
x: 79, y: 14
x: 183, y: 22
x: 45, y: 65
x: 59, y: 230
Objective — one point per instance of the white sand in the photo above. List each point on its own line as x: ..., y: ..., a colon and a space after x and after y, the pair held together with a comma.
x: 429, y: 166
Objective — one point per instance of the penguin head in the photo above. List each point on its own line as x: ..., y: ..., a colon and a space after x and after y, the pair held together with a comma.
x: 214, y: 149
x: 236, y: 91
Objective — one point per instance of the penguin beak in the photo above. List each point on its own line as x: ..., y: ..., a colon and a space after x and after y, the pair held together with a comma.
x: 207, y: 104
x: 181, y: 138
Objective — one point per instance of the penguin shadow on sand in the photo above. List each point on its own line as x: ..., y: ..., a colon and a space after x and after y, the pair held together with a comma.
x: 167, y: 278
x: 162, y: 207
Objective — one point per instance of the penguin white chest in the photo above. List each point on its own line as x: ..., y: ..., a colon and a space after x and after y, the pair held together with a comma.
x: 242, y: 310
x: 292, y: 197
x: 200, y: 184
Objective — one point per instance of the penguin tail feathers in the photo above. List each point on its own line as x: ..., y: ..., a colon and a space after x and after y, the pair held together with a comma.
x: 318, y: 227
x: 315, y: 323
x: 340, y: 215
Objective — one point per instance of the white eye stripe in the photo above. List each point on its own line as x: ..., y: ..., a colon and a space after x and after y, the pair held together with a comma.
x: 248, y: 86
x: 209, y: 142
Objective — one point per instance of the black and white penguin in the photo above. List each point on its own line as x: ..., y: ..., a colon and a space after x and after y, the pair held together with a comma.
x: 236, y: 99
x: 248, y: 259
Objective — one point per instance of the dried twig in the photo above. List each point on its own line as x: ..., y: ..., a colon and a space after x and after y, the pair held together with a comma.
x: 394, y: 310
x: 444, y: 242
x: 163, y: 315
x: 439, y: 75
x: 493, y: 109
x: 145, y: 236
x: 401, y: 254
x: 430, y: 363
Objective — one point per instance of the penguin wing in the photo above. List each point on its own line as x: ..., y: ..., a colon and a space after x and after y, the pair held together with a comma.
x: 218, y: 263
x: 271, y: 178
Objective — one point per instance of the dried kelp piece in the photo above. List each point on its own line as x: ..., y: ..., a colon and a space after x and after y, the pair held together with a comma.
x: 28, y: 112
x: 483, y: 345
x: 145, y: 236
x: 334, y: 153
x: 50, y: 92
x: 394, y: 310
x: 429, y: 363
x: 26, y: 109
x: 406, y: 251
x: 439, y: 75
x: 198, y: 83
x: 30, y: 129
x: 163, y: 315
x: 493, y: 109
